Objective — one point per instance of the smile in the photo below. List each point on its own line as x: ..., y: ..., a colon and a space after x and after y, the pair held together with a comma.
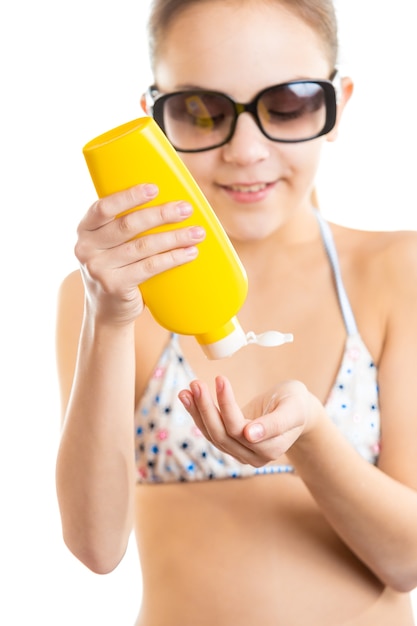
x: 248, y: 188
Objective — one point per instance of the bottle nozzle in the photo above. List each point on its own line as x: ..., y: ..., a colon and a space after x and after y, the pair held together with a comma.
x: 235, y: 339
x: 269, y: 339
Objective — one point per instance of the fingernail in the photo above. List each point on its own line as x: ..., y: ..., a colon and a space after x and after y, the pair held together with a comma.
x: 191, y: 252
x: 197, y: 232
x: 219, y: 385
x: 184, y: 209
x: 256, y: 432
x: 185, y: 400
x: 195, y: 389
x: 150, y: 190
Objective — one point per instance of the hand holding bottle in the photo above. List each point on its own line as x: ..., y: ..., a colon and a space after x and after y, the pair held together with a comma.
x: 115, y: 260
x: 201, y: 298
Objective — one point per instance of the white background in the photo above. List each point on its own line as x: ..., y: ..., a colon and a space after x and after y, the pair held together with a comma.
x: 69, y: 72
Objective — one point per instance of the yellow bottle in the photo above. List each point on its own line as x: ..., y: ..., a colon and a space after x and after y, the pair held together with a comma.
x: 202, y: 297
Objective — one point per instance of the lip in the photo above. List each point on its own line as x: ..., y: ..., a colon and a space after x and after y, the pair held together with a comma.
x: 248, y: 192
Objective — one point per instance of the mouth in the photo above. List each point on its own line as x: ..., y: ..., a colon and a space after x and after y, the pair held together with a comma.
x: 248, y: 188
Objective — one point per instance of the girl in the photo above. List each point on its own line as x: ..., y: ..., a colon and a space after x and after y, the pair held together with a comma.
x: 282, y: 489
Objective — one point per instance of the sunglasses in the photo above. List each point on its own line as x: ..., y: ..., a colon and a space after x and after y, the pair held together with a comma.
x: 198, y: 120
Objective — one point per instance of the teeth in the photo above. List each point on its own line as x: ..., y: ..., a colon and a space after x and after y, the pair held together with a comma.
x: 248, y: 188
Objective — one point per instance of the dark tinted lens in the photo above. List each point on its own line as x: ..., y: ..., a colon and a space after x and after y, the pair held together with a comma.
x: 293, y: 112
x: 197, y: 120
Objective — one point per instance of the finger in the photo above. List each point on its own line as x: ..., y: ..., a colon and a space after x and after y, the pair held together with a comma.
x: 130, y: 265
x: 231, y: 414
x: 142, y: 220
x: 214, y: 424
x: 132, y: 227
x: 104, y: 210
x: 235, y: 424
x: 244, y: 452
x: 113, y: 231
x: 286, y: 412
x: 152, y: 248
x: 187, y: 400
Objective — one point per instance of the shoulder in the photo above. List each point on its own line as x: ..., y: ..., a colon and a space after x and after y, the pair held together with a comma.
x: 380, y: 275
x: 70, y: 301
x: 71, y: 288
x: 391, y: 253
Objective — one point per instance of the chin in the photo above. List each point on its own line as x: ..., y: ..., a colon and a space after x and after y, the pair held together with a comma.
x: 249, y: 234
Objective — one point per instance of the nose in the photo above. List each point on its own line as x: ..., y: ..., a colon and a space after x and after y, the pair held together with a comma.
x: 248, y: 144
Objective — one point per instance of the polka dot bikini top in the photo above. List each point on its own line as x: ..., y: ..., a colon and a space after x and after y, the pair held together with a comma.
x: 170, y: 448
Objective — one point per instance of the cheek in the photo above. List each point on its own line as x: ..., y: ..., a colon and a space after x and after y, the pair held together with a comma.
x: 199, y: 163
x: 202, y: 167
x: 304, y: 159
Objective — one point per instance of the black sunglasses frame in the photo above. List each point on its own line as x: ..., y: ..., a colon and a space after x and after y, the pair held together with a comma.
x: 155, y: 103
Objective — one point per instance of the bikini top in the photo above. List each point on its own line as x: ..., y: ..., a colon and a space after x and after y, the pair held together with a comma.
x: 170, y: 448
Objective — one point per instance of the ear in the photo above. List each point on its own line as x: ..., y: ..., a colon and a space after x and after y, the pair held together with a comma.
x: 346, y: 90
x: 143, y: 104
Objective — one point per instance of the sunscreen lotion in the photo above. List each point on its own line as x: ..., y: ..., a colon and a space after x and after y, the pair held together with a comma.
x: 202, y: 297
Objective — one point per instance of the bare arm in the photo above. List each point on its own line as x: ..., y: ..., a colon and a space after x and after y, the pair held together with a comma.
x: 373, y: 509
x: 373, y: 513
x: 95, y: 474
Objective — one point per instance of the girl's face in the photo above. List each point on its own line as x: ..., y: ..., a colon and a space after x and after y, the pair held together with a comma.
x: 254, y: 184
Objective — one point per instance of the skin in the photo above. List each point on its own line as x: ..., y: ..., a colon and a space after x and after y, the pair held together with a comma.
x: 327, y: 544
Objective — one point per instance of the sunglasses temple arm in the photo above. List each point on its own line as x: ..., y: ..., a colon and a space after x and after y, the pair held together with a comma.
x: 336, y: 80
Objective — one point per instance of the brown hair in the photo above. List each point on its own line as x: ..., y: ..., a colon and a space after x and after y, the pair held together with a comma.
x: 318, y: 14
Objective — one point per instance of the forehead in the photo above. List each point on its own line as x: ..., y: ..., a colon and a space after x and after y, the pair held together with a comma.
x: 238, y: 48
